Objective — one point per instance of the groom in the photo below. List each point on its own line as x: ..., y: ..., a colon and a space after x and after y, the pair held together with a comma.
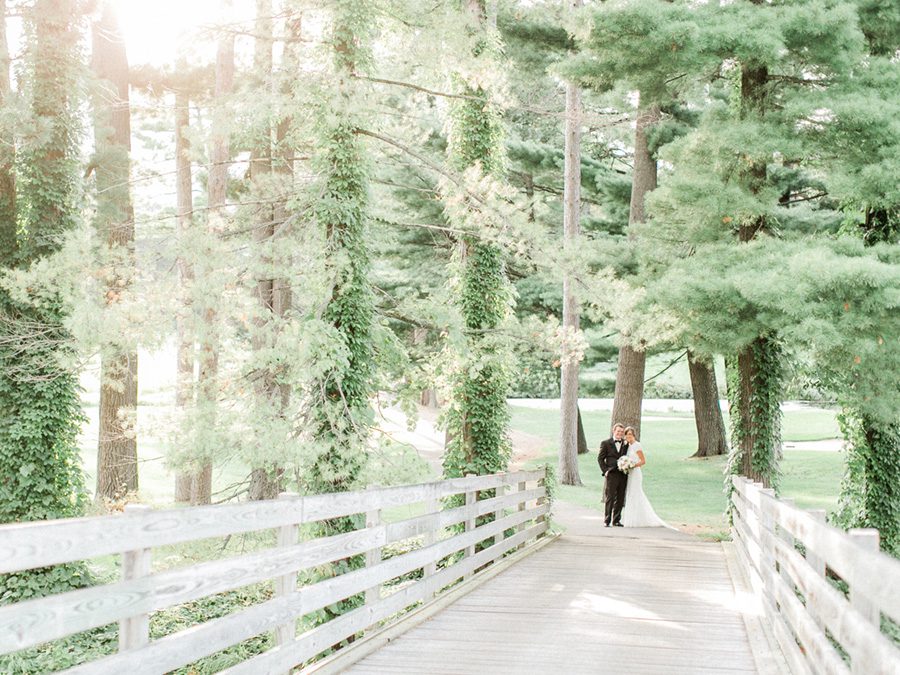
x: 610, y: 451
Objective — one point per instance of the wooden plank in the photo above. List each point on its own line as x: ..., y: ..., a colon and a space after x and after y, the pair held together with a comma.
x: 860, y: 638
x: 187, y: 646
x: 437, y: 520
x: 39, y: 544
x: 816, y: 647
x: 875, y: 574
x: 322, y: 637
x: 36, y: 621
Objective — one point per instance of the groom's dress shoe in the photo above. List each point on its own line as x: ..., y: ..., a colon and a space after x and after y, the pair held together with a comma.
x: 618, y: 525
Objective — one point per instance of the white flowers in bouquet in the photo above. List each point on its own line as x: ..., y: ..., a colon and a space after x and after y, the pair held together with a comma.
x: 625, y: 464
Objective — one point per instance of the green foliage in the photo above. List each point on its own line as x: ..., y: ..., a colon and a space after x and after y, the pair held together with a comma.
x: 880, y: 23
x: 756, y: 423
x: 870, y: 489
x: 477, y: 133
x: 339, y: 396
x: 40, y: 472
x: 476, y: 418
x: 644, y: 42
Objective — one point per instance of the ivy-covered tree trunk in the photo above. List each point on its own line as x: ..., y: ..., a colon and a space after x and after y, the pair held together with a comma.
x: 342, y: 395
x: 567, y: 471
x: 7, y: 157
x: 478, y: 416
x: 186, y: 353
x: 117, y: 466
x: 629, y: 393
x: 756, y: 398
x: 40, y: 464
x: 711, y: 440
x: 870, y: 489
x: 339, y: 399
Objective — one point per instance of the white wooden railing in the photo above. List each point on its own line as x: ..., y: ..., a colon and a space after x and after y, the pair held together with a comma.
x: 807, y: 614
x: 519, y: 507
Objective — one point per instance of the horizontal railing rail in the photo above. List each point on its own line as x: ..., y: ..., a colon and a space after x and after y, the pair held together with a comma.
x: 818, y: 627
x: 517, y: 503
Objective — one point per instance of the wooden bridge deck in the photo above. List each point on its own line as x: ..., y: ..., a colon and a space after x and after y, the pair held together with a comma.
x: 595, y: 601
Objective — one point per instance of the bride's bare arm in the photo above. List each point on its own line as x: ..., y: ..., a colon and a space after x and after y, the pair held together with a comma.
x: 640, y: 454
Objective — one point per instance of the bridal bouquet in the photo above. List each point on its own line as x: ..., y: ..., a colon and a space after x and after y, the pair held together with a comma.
x: 625, y: 464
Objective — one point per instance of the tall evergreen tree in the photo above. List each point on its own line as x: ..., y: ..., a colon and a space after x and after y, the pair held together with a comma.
x: 184, y: 334
x: 265, y: 480
x: 644, y: 45
x: 117, y: 466
x: 864, y: 136
x: 207, y: 273
x: 568, y: 400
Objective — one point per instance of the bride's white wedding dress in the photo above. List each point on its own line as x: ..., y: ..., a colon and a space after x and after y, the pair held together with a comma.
x: 637, y: 511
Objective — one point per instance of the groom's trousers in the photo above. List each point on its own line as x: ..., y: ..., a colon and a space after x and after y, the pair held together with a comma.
x: 615, y: 496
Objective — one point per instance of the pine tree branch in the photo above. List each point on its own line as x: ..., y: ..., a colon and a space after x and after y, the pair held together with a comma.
x: 671, y: 363
x: 427, y: 162
x: 416, y: 87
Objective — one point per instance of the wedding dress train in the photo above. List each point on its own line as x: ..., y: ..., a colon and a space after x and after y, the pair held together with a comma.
x: 638, y: 512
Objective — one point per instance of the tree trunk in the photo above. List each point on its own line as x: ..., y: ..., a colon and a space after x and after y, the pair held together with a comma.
x: 567, y: 470
x: 207, y: 383
x: 184, y: 383
x: 478, y: 426
x: 629, y: 395
x: 265, y: 480
x: 756, y: 417
x: 582, y: 439
x: 7, y: 158
x: 707, y: 412
x: 117, y: 467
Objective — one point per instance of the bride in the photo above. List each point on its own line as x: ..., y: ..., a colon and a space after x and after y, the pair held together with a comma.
x: 637, y: 511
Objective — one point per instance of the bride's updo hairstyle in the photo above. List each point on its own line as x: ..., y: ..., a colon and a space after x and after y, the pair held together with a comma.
x: 633, y: 432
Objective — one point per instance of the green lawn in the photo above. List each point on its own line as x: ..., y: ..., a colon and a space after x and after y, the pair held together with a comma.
x: 689, y: 492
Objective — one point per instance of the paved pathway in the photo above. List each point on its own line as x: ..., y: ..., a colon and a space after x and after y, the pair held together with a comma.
x: 598, y: 600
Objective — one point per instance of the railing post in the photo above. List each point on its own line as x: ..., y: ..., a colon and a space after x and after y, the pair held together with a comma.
x: 373, y: 555
x: 522, y: 507
x: 767, y: 524
x: 432, y: 508
x: 869, y: 539
x: 816, y: 562
x: 498, y: 514
x: 287, y: 584
x: 542, y: 482
x: 134, y: 631
x: 470, y: 521
x: 788, y: 539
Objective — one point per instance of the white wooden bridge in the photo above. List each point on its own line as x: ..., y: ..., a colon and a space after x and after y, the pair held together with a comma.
x: 480, y: 587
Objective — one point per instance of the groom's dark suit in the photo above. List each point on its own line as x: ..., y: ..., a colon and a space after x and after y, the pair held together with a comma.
x: 615, y: 479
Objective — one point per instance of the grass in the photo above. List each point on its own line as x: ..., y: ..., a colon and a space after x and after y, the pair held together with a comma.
x: 688, y: 492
